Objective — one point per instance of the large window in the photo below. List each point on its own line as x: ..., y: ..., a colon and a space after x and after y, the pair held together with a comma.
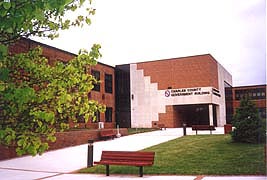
x: 252, y: 94
x: 97, y: 115
x: 108, y: 114
x: 80, y: 118
x: 96, y: 74
x: 262, y: 112
x: 228, y: 102
x: 108, y: 83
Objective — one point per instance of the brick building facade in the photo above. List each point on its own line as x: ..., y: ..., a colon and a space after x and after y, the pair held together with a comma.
x: 104, y: 93
x: 175, y: 91
x: 191, y: 90
x: 257, y: 94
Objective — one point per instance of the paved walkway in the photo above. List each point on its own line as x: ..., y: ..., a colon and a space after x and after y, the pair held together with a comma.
x: 58, y: 164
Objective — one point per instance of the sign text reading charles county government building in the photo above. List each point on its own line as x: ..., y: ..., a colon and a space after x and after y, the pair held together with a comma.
x: 186, y: 92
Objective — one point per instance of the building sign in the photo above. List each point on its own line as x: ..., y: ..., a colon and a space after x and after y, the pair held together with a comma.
x: 187, y: 92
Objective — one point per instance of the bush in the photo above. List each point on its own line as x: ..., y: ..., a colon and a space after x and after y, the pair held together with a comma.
x: 249, y: 127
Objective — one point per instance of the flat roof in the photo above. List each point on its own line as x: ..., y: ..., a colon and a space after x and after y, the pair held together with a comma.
x: 171, y: 59
x: 49, y: 46
x: 250, y: 86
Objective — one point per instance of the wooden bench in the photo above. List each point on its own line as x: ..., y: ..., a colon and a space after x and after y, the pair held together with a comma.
x: 203, y: 128
x: 162, y: 126
x: 127, y: 158
x: 107, y: 133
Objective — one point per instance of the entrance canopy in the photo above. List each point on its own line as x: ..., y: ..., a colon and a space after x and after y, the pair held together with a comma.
x: 196, y: 114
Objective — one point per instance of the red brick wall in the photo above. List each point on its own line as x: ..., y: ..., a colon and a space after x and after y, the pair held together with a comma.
x: 195, y: 71
x: 105, y: 98
x: 53, y: 54
x: 187, y: 72
x: 172, y: 118
x: 64, y: 139
x: 7, y: 152
x: 168, y: 118
x: 259, y: 103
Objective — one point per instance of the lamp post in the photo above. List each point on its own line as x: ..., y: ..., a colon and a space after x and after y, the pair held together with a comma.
x: 184, y: 128
x: 90, y: 153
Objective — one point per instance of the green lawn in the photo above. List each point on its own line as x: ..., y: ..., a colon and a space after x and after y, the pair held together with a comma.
x: 199, y: 155
x: 140, y: 130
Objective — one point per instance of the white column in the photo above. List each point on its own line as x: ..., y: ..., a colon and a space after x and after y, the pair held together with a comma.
x: 218, y: 114
x: 211, y: 114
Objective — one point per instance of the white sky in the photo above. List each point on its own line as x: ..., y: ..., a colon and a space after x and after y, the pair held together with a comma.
x: 129, y: 31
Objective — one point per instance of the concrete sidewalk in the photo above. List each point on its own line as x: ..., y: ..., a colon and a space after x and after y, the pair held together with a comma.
x: 59, y: 164
x: 72, y: 158
x: 28, y: 175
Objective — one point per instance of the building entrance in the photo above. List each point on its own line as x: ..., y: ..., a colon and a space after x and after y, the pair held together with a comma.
x: 197, y: 114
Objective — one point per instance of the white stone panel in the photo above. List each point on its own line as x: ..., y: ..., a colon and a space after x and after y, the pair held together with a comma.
x: 146, y: 105
x: 211, y: 114
x: 223, y: 76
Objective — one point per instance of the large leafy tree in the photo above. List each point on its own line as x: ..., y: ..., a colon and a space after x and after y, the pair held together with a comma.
x: 249, y: 127
x: 38, y: 18
x: 37, y: 99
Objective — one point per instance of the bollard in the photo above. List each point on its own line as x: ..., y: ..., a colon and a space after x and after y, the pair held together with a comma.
x: 118, y: 131
x: 184, y: 128
x: 90, y: 153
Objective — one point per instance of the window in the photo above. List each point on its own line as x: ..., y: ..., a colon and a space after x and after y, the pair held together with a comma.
x: 108, y: 83
x: 253, y: 94
x: 228, y: 93
x: 228, y: 101
x: 261, y: 93
x: 237, y: 95
x: 262, y: 112
x: 96, y: 74
x: 97, y: 116
x: 80, y: 118
x: 108, y: 114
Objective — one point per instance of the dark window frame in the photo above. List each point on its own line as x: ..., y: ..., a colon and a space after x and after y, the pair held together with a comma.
x: 253, y: 94
x: 108, y: 114
x: 108, y: 83
x: 97, y: 115
x: 80, y: 118
x: 96, y: 74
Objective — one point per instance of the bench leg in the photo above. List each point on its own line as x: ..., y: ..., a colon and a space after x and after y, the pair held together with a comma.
x: 107, y: 170
x: 141, y: 171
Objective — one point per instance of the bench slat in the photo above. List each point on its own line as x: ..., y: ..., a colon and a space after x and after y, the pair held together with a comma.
x: 128, y: 157
x: 128, y: 163
x: 203, y: 127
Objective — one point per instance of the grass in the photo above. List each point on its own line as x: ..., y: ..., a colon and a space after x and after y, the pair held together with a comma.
x: 140, y: 130
x: 199, y: 155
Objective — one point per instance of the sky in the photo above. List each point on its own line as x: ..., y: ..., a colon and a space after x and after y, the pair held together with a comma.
x: 130, y: 31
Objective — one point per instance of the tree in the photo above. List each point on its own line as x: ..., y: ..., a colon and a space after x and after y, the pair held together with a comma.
x: 249, y: 127
x: 25, y: 18
x: 37, y: 99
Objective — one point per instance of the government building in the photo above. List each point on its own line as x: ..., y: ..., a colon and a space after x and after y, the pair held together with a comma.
x: 173, y: 92
x: 189, y: 90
